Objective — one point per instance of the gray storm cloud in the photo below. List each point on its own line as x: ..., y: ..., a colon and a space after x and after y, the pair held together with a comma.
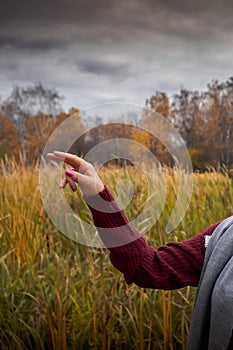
x: 94, y: 51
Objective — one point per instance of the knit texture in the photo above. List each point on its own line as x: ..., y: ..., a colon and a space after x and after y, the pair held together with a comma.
x: 172, y: 266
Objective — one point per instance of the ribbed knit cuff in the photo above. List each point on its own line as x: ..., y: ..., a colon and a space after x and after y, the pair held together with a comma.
x: 105, y: 210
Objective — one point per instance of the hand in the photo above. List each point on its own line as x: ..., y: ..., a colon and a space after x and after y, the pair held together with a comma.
x: 82, y: 173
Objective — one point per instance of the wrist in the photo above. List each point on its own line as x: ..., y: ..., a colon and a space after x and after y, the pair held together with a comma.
x: 100, y: 187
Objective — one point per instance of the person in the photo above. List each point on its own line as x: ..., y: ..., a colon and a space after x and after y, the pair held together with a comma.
x: 175, y: 265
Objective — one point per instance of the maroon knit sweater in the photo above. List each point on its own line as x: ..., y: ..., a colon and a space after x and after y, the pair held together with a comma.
x: 172, y: 266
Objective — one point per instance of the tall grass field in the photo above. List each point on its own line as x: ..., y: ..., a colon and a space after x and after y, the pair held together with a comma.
x: 58, y: 294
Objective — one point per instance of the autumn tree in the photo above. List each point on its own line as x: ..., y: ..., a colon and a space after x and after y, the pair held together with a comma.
x: 159, y: 102
x: 26, y: 102
x: 219, y: 118
x: 62, y: 131
x: 158, y: 110
x: 9, y: 138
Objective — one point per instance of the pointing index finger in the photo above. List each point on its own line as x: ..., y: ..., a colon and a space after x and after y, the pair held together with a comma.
x: 68, y: 158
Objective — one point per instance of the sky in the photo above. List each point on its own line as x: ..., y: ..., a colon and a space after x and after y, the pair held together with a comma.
x: 97, y: 51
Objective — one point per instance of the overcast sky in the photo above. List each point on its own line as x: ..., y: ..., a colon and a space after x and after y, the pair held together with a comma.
x: 96, y: 51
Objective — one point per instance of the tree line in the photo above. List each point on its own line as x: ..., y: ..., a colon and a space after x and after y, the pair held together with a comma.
x: 204, y: 119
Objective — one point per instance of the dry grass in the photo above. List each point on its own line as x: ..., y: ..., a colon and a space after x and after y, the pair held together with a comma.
x: 57, y: 294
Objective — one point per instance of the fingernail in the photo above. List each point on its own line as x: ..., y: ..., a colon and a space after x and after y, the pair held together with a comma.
x: 73, y: 187
x: 69, y: 172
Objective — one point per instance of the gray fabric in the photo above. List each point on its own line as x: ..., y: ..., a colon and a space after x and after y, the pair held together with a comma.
x: 212, y: 318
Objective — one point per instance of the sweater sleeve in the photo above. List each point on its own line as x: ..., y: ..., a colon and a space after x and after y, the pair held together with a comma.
x: 171, y: 266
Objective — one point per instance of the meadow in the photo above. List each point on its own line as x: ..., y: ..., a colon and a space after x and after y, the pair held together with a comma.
x: 58, y: 294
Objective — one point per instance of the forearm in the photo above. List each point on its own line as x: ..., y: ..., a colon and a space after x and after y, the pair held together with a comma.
x: 171, y: 266
x: 125, y: 243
